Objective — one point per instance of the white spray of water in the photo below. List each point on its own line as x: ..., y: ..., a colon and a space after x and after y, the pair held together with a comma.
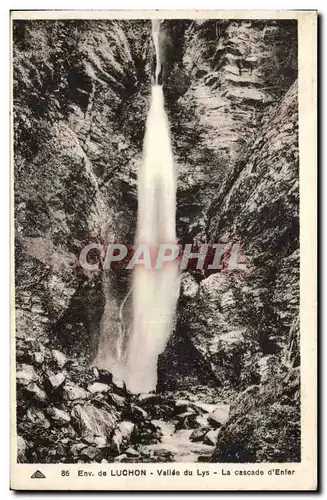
x: 154, y: 291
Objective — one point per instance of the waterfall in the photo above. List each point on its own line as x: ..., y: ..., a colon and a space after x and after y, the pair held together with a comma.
x: 155, y: 36
x: 154, y: 291
x: 131, y: 351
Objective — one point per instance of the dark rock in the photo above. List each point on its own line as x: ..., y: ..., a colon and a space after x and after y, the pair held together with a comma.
x: 119, y: 388
x: 182, y: 405
x: 38, y: 418
x: 138, y: 413
x: 158, y: 405
x: 187, y: 420
x: 57, y: 381
x: 198, y: 434
x: 122, y: 435
x: 103, y: 376
x: 146, y: 432
x: 23, y: 356
x: 118, y: 401
x: 36, y: 393
x: 21, y: 449
x: 162, y: 455
x: 262, y: 428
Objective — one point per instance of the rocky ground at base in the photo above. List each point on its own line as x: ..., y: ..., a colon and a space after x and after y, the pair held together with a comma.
x: 70, y: 413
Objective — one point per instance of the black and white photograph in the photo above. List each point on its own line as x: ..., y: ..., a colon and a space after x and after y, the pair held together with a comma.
x: 156, y: 169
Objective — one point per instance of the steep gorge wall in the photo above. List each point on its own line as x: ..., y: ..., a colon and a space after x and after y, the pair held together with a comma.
x: 241, y: 182
x: 80, y: 101
x: 240, y: 328
x: 222, y: 77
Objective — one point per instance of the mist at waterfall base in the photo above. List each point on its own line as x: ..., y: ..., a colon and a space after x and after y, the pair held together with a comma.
x: 154, y: 290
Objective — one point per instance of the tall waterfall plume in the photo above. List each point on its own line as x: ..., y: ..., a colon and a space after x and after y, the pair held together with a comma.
x: 154, y: 290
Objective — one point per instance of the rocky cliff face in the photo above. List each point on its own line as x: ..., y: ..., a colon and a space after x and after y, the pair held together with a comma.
x: 240, y: 328
x: 223, y: 76
x: 80, y: 102
x: 81, y: 97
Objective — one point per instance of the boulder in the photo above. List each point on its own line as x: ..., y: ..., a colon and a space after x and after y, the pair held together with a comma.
x: 91, y: 453
x: 100, y: 441
x: 198, y: 434
x: 182, y: 405
x: 38, y: 418
x: 103, y: 376
x: 122, y: 436
x: 264, y: 425
x: 211, y: 437
x: 76, y: 448
x: 38, y: 358
x: 202, y: 420
x: 23, y: 356
x: 219, y: 416
x: 126, y: 428
x: 131, y: 452
x: 57, y: 381
x: 59, y: 417
x: 72, y: 392
x: 118, y: 401
x: 26, y: 374
x: 34, y: 391
x: 138, y: 413
x: 89, y: 420
x: 98, y: 387
x: 59, y: 358
x: 187, y: 420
